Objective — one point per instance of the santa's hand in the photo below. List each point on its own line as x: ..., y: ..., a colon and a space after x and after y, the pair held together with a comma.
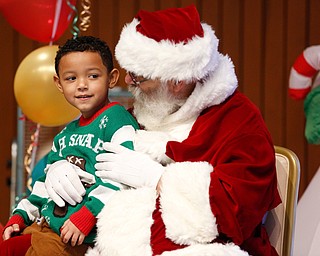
x: 63, y: 182
x: 129, y: 167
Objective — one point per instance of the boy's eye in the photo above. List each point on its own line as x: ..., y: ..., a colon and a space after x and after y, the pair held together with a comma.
x: 70, y: 78
x: 94, y: 76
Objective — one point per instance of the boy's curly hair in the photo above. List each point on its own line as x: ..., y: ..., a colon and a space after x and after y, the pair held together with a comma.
x: 82, y: 44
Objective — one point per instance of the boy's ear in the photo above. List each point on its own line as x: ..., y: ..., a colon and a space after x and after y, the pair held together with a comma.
x: 113, y: 77
x: 56, y: 80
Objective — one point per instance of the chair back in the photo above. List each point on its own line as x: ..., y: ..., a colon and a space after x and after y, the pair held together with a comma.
x: 281, y: 220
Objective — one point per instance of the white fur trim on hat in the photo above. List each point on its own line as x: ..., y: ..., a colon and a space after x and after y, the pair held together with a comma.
x: 165, y: 59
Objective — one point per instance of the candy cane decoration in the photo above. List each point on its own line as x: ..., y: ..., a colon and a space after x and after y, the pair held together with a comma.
x: 305, y: 67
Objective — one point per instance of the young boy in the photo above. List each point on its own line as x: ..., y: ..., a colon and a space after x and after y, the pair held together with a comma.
x: 84, y: 72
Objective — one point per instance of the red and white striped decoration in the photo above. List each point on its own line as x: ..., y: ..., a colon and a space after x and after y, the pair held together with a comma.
x: 305, y: 67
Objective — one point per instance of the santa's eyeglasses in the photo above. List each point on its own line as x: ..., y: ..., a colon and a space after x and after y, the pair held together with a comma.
x: 137, y: 80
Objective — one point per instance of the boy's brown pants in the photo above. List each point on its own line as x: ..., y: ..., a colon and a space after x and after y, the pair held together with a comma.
x: 45, y: 242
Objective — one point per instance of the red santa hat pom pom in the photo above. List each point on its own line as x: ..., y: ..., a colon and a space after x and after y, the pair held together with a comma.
x: 302, y: 72
x: 168, y: 44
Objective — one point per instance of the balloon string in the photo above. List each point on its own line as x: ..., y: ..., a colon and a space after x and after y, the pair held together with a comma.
x: 74, y: 30
x: 56, y: 19
x: 85, y: 15
x: 29, y: 158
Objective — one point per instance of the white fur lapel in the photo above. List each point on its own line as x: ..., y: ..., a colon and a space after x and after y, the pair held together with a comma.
x: 217, y: 88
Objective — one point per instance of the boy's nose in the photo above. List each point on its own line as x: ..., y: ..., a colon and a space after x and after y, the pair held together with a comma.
x: 82, y: 84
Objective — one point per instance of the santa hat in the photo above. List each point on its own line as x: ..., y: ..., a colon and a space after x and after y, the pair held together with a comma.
x: 168, y: 44
x: 305, y: 67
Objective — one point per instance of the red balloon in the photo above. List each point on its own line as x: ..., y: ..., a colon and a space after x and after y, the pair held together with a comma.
x: 40, y: 20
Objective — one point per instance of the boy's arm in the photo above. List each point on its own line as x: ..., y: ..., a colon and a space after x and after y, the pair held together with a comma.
x: 124, y: 136
x: 28, y: 209
x: 85, y: 218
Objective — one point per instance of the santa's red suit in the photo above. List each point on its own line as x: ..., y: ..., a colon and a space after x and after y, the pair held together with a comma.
x: 219, y: 185
x: 219, y: 179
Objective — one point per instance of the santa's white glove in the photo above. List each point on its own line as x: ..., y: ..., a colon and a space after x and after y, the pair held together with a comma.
x: 129, y: 167
x: 63, y: 182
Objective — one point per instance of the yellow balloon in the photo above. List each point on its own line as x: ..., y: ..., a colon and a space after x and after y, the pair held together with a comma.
x: 36, y: 93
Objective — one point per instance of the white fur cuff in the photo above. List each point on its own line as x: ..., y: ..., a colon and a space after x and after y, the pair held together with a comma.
x: 185, y: 205
x: 124, y: 224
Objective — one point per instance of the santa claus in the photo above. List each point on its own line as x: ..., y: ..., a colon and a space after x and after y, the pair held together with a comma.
x: 203, y: 169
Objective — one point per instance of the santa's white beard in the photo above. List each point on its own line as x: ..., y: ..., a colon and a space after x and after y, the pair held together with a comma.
x: 153, y: 107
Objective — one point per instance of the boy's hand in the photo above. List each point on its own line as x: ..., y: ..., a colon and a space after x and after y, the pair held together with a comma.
x: 70, y: 231
x: 9, y: 231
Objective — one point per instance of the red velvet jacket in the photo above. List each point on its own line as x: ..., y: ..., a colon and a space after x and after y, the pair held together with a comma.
x: 233, y: 138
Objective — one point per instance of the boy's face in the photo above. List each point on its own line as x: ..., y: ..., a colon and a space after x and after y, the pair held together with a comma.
x: 84, y: 81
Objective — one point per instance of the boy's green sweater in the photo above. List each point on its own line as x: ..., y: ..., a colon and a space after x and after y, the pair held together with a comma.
x: 79, y: 143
